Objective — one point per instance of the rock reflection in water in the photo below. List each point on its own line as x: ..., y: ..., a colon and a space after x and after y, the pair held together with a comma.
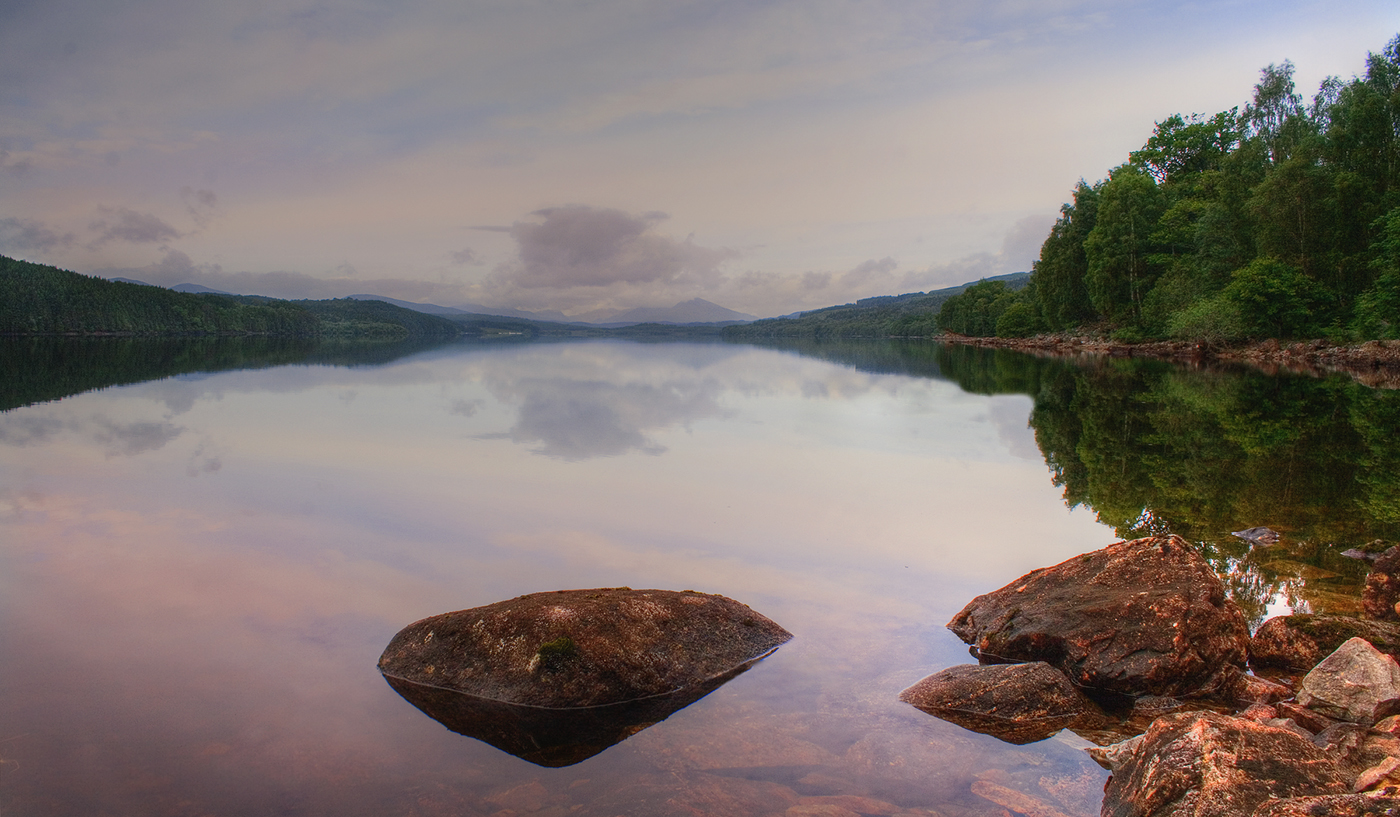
x: 548, y: 736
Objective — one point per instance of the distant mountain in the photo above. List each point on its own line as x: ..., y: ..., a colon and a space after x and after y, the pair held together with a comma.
x: 696, y: 310
x: 130, y: 281
x: 430, y: 309
x: 196, y: 289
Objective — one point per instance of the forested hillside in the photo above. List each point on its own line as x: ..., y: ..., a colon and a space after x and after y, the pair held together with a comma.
x: 909, y: 315
x: 1279, y: 219
x: 36, y: 299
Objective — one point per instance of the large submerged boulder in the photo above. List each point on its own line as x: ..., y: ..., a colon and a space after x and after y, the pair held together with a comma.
x: 582, y: 648
x: 1146, y: 616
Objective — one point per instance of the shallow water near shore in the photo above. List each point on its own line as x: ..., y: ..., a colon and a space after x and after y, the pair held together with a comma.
x: 198, y: 573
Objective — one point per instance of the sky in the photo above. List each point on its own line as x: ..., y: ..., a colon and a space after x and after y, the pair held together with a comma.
x: 766, y: 156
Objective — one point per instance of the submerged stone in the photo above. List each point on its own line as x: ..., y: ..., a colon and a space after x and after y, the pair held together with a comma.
x: 1018, y: 703
x: 582, y: 648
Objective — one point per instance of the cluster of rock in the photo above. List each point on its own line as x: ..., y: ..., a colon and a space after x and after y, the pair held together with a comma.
x: 1140, y: 639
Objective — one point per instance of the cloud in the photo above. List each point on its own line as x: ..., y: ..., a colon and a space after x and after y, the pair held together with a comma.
x: 582, y: 257
x: 202, y: 205
x: 20, y: 235
x: 125, y: 224
x: 590, y: 246
x: 468, y: 256
x: 17, y: 167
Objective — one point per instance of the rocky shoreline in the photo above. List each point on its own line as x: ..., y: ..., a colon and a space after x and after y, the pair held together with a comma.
x: 1137, y: 648
x: 1374, y: 363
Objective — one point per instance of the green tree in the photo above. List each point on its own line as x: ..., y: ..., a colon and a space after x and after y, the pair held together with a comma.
x: 1119, y: 250
x: 1274, y: 299
x: 976, y: 310
x: 1060, y: 271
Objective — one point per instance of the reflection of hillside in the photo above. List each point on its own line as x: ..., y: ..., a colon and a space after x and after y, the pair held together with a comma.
x: 1153, y: 448
x: 41, y: 369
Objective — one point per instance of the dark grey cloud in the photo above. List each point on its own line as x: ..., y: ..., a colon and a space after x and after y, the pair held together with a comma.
x: 20, y: 235
x: 582, y: 246
x: 202, y: 205
x: 468, y: 256
x: 15, y: 167
x: 125, y: 224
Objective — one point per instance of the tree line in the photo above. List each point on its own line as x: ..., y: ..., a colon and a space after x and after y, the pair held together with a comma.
x: 37, y: 299
x: 1278, y: 219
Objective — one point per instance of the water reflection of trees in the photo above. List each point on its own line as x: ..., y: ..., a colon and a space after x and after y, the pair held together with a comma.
x: 1155, y: 448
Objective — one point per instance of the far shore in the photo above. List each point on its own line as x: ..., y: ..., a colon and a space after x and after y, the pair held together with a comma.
x: 1375, y: 363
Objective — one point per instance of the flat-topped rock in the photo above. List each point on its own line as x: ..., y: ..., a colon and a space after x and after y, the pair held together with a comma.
x: 1146, y: 616
x: 582, y: 648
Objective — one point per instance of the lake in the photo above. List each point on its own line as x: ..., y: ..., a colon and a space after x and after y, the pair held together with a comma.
x: 205, y: 546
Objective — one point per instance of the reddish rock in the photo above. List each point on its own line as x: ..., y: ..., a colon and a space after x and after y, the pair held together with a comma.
x: 1336, y: 805
x: 1356, y: 683
x: 1251, y: 689
x: 1018, y: 703
x: 1308, y: 719
x: 1384, y: 774
x: 1146, y: 616
x: 1382, y: 590
x: 1300, y: 642
x: 580, y: 648
x: 1355, y: 748
x: 1202, y: 764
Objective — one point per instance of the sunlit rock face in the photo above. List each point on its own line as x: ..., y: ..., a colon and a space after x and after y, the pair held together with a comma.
x: 1146, y: 616
x: 582, y: 648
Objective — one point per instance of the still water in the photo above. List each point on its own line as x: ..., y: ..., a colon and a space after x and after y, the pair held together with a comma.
x: 198, y: 573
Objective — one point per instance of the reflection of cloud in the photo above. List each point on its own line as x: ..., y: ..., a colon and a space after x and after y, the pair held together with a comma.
x: 116, y: 439
x: 134, y: 438
x: 1011, y: 416
x: 575, y: 420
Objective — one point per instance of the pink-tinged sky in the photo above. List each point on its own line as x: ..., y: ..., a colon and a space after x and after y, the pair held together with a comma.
x: 768, y: 156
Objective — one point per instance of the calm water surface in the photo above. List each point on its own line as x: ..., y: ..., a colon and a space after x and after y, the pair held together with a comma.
x: 197, y: 574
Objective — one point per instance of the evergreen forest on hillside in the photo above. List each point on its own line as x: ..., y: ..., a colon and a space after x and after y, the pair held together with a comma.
x: 1280, y: 219
x: 36, y: 299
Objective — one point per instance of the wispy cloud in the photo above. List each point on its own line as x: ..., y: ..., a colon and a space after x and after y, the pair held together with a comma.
x: 125, y: 224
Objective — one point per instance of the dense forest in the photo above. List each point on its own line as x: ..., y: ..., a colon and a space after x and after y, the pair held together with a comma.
x: 36, y: 299
x: 1279, y: 219
x: 908, y: 316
